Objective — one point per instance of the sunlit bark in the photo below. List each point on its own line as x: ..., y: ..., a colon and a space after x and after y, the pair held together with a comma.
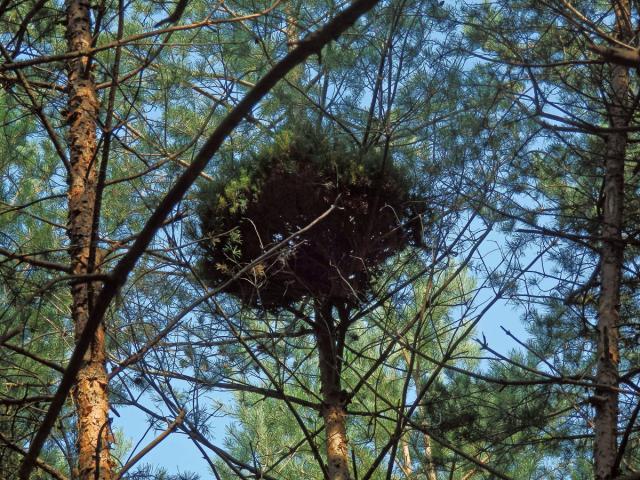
x: 334, y: 398
x: 611, y: 261
x: 90, y: 391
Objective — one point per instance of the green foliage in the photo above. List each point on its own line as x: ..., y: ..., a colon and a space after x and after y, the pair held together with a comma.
x: 425, y: 122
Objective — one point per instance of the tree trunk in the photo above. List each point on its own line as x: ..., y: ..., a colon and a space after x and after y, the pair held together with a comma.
x: 90, y: 392
x: 429, y: 467
x: 611, y: 261
x: 334, y: 398
x: 406, y: 465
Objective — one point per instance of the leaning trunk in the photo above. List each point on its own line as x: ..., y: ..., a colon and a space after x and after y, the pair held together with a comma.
x: 611, y: 261
x: 334, y: 398
x: 90, y: 393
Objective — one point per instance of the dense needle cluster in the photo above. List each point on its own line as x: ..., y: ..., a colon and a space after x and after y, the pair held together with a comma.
x: 285, y: 188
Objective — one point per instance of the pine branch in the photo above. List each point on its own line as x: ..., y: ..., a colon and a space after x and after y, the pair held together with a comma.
x: 310, y: 45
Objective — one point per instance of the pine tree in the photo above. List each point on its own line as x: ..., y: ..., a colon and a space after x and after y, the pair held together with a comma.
x: 554, y: 57
x: 109, y: 163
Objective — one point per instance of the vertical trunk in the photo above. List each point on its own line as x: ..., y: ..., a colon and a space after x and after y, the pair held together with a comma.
x: 292, y: 12
x: 429, y: 466
x: 611, y: 260
x: 90, y: 393
x: 406, y: 465
x: 292, y: 31
x: 428, y: 457
x: 334, y: 399
x: 92, y: 411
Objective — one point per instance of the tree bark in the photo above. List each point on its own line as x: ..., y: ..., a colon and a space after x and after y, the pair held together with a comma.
x: 406, y: 465
x: 428, y: 457
x: 334, y: 399
x: 611, y: 261
x: 429, y: 467
x: 90, y: 391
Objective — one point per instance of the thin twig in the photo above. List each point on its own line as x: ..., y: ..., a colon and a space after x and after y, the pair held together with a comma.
x: 154, y: 443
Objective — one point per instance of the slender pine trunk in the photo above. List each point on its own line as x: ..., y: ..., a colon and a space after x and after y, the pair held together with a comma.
x: 611, y: 261
x: 429, y: 466
x: 90, y: 392
x: 334, y: 399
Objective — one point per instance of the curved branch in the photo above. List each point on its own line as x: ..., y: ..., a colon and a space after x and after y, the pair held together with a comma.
x: 310, y: 45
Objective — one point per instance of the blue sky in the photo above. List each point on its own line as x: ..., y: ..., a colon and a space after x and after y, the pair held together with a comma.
x: 177, y: 453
